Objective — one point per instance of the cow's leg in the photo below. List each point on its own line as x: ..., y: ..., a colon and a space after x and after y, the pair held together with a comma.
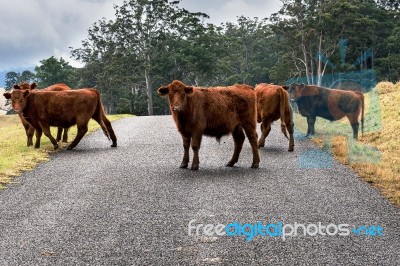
x: 59, y: 133
x: 265, y: 129
x: 47, y: 133
x: 251, y: 133
x: 290, y: 128
x: 355, y: 130
x: 110, y: 131
x: 196, y: 141
x: 65, y: 135
x: 353, y: 118
x: 186, y: 146
x: 238, y: 138
x: 103, y: 121
x: 82, y: 129
x: 29, y: 134
x: 38, y: 136
x: 310, y: 125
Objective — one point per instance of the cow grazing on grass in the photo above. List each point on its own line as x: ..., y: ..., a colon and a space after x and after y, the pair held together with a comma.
x: 29, y: 130
x: 42, y: 109
x: 215, y: 111
x: 331, y: 104
x: 272, y: 104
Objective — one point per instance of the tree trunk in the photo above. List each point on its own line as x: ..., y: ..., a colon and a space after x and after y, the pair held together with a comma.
x: 149, y: 92
x: 304, y: 49
x: 319, y: 74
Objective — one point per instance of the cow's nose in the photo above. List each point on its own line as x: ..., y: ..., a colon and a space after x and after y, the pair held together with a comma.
x: 177, y: 107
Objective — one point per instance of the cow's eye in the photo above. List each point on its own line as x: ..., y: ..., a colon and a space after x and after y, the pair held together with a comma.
x: 22, y: 101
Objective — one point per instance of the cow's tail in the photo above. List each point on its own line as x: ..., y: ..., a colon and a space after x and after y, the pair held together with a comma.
x: 284, y: 101
x: 99, y: 116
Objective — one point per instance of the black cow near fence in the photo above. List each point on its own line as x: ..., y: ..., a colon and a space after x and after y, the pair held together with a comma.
x: 330, y: 104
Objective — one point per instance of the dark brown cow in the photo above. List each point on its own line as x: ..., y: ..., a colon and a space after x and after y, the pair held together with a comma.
x: 29, y: 130
x: 331, y: 104
x: 42, y: 109
x: 272, y: 104
x: 215, y: 111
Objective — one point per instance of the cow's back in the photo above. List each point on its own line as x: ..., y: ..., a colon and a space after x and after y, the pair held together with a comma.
x: 218, y: 110
x: 57, y: 87
x: 268, y: 100
x: 62, y: 108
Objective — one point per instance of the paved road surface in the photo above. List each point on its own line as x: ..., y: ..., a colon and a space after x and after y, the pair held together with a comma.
x: 132, y: 205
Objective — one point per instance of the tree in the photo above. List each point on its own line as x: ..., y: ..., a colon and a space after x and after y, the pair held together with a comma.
x: 389, y: 65
x: 13, y: 78
x: 321, y: 28
x: 53, y: 70
x: 126, y: 53
x: 143, y: 27
x: 246, y: 55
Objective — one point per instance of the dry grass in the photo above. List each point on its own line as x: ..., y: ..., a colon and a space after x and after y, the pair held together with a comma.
x: 376, y: 157
x: 16, y: 157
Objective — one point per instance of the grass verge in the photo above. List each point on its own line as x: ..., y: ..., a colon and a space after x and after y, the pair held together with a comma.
x: 375, y: 157
x: 16, y: 157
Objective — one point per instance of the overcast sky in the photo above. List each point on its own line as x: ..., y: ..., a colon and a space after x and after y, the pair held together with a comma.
x: 32, y: 30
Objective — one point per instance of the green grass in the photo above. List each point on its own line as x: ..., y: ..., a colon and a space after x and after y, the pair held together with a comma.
x: 375, y: 157
x: 16, y: 157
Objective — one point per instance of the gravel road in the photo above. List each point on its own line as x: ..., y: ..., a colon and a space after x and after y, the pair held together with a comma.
x: 131, y: 205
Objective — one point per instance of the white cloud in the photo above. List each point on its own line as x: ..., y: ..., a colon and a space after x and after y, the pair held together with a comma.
x: 230, y: 10
x: 38, y: 29
x: 35, y: 30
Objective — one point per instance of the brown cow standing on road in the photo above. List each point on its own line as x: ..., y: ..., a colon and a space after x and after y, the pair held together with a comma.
x: 331, y: 104
x: 43, y: 109
x: 272, y: 104
x: 29, y: 130
x: 215, y: 111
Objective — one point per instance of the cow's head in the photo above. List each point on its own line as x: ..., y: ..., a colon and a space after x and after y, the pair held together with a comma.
x: 295, y: 91
x: 25, y: 86
x: 177, y: 94
x: 18, y: 99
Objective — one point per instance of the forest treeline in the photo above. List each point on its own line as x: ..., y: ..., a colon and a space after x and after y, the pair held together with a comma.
x: 149, y: 43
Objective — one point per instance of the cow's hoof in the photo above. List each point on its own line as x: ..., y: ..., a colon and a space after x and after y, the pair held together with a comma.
x: 291, y: 149
x: 194, y: 167
x: 255, y: 165
x: 56, y: 146
x: 183, y: 165
x: 69, y: 148
x: 230, y: 164
x: 114, y: 145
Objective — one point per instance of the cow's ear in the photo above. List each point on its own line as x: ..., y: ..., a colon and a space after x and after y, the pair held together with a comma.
x: 26, y: 93
x: 7, y: 95
x: 285, y: 87
x: 33, y: 85
x: 17, y: 87
x: 188, y: 89
x: 163, y: 91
